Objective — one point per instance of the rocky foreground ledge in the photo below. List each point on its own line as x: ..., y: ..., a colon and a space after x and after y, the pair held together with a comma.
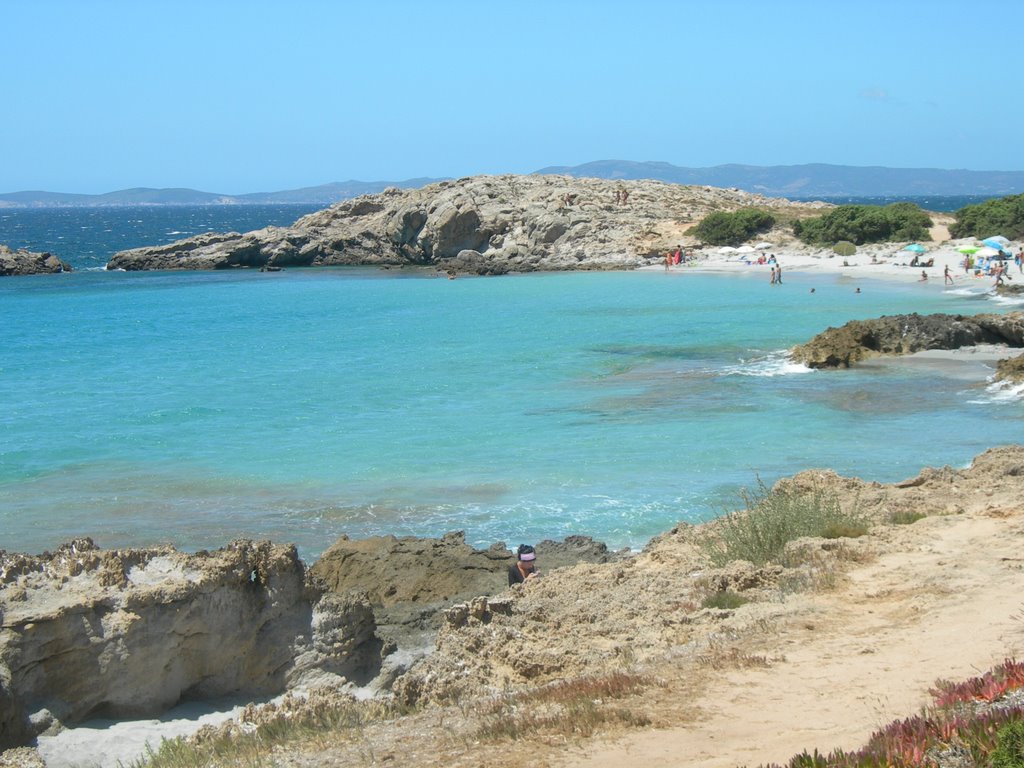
x: 860, y: 340
x: 23, y: 262
x: 88, y: 633
x: 482, y: 224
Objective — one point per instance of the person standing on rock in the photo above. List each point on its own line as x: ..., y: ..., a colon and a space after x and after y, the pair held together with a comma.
x: 525, y: 567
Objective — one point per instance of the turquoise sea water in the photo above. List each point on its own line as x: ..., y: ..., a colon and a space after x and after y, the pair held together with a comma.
x: 194, y: 408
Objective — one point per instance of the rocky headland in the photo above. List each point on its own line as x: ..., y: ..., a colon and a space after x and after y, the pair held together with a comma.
x: 88, y: 633
x: 860, y: 340
x: 481, y: 224
x: 24, y: 262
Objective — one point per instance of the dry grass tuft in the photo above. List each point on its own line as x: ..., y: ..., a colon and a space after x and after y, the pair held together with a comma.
x: 572, y: 709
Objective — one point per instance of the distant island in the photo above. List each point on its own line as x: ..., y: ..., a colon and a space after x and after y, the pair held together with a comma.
x: 815, y: 180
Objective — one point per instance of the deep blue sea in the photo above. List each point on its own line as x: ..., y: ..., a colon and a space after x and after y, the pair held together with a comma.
x: 198, y: 407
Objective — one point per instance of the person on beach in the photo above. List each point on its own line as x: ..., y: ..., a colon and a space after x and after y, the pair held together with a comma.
x: 773, y: 275
x: 778, y: 274
x: 924, y: 276
x: 525, y: 566
x: 948, y: 278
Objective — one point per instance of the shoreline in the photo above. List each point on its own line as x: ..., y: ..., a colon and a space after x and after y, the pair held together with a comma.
x: 649, y: 564
x: 880, y: 261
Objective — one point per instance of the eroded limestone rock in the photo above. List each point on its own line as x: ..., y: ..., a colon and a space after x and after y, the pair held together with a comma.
x: 86, y: 632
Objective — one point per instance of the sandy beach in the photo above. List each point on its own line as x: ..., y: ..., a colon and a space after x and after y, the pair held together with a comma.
x: 885, y: 261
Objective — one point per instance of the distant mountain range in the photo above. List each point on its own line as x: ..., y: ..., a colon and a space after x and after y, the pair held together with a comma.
x: 813, y: 180
x: 324, y: 194
x: 794, y: 181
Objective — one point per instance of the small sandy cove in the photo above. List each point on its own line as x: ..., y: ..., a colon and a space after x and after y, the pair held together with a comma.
x: 942, y: 600
x: 885, y: 261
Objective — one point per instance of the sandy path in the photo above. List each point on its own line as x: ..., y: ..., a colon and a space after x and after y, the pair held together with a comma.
x: 944, y: 601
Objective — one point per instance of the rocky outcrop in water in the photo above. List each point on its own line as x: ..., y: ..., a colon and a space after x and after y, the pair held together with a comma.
x: 86, y: 632
x: 482, y: 224
x: 23, y: 262
x: 904, y: 334
x: 410, y: 581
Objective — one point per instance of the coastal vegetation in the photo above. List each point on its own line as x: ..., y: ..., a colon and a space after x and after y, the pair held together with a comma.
x: 977, y: 722
x: 723, y: 228
x: 771, y: 518
x: 1001, y: 216
x: 861, y: 224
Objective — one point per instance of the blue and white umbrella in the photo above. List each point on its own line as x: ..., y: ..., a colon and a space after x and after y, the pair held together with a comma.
x: 998, y: 242
x: 915, y: 247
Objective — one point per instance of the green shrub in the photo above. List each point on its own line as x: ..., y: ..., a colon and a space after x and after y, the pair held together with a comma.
x: 1009, y: 751
x: 726, y: 599
x: 1002, y: 216
x: 772, y: 518
x: 721, y: 228
x: 862, y: 224
x: 906, y: 517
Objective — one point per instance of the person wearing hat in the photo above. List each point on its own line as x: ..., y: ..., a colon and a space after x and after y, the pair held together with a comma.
x: 525, y: 566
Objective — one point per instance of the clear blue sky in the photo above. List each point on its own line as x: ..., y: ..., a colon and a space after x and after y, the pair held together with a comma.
x: 244, y: 96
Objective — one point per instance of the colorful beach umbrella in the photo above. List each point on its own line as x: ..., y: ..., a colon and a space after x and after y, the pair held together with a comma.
x: 915, y: 247
x: 968, y: 249
x: 998, y: 242
x: 845, y: 248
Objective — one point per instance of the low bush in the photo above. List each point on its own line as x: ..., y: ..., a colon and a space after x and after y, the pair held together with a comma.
x: 860, y: 224
x: 722, y: 228
x: 1002, y: 216
x: 726, y: 599
x: 906, y: 517
x: 772, y: 518
x: 1009, y: 751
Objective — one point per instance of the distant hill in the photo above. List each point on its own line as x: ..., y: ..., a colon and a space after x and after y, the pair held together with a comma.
x: 325, y: 194
x: 816, y: 179
x: 793, y: 181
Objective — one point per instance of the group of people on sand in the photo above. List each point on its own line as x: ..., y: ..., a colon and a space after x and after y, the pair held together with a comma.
x: 676, y: 257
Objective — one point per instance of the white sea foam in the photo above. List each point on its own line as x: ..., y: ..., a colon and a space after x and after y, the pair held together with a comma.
x: 1008, y: 301
x: 1000, y: 392
x: 978, y: 293
x: 775, y: 364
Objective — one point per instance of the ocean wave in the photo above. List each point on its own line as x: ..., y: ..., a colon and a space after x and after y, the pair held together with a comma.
x: 1007, y: 301
x: 974, y: 293
x: 775, y: 364
x: 1000, y: 392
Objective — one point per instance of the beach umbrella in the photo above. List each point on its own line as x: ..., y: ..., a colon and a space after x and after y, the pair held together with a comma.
x: 915, y: 247
x: 727, y: 249
x: 763, y: 246
x: 998, y: 242
x: 845, y: 248
x: 744, y: 249
x: 968, y: 249
x: 987, y: 252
